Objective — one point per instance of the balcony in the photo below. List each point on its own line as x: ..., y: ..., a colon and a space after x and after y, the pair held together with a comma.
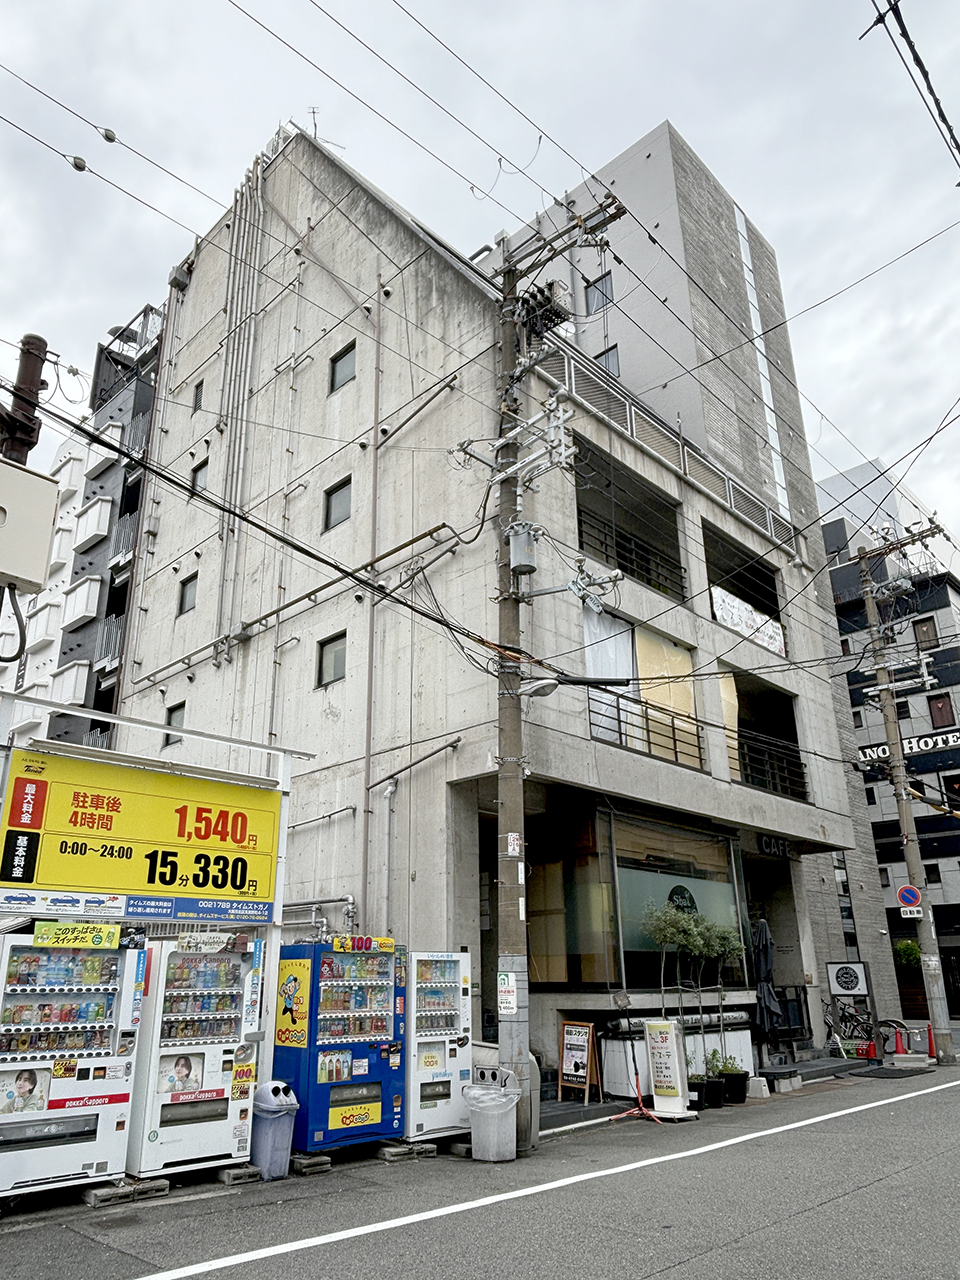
x: 769, y: 764
x: 124, y: 535
x: 109, y: 640
x: 645, y: 727
x: 600, y: 539
x: 43, y: 626
x: 69, y: 684
x: 80, y: 601
x: 135, y: 435
x: 100, y: 457
x: 99, y: 738
x: 93, y: 523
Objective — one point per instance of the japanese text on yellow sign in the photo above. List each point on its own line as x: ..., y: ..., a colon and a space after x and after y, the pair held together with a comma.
x: 293, y: 1003
x: 101, y: 936
x: 71, y: 824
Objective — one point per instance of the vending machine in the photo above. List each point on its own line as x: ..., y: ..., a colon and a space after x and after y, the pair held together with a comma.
x: 339, y: 1040
x: 440, y: 1057
x: 194, y: 1083
x: 71, y: 1009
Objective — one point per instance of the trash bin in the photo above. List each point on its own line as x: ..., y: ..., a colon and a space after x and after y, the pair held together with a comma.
x: 274, y: 1107
x: 492, y: 1102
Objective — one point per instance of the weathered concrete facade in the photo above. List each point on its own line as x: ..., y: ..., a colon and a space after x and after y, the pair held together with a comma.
x: 323, y: 324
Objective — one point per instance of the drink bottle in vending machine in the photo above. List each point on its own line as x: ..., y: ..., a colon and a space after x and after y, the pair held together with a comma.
x: 439, y: 1057
x: 194, y: 1088
x: 339, y: 1039
x: 69, y: 1023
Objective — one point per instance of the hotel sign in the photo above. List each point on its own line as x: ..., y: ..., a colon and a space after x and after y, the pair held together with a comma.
x: 912, y: 746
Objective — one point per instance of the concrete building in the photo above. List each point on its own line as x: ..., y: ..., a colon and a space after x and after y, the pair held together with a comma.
x: 924, y: 622
x: 324, y: 356
x: 75, y: 625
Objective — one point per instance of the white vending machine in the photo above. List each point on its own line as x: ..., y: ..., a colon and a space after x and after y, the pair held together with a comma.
x: 68, y: 1040
x: 439, y: 1055
x: 193, y: 1096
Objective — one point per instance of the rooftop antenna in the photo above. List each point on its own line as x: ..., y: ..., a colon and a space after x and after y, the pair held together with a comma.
x: 313, y: 112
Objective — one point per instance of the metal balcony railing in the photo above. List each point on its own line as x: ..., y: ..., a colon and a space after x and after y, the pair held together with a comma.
x: 109, y: 637
x: 645, y: 727
x: 635, y: 558
x: 99, y: 738
x: 134, y: 438
x: 767, y: 763
x: 124, y: 534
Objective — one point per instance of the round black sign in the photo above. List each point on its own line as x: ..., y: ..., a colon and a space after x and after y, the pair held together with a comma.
x: 847, y: 978
x: 682, y: 898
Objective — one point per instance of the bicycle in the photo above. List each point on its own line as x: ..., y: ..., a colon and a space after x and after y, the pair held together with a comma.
x: 855, y: 1025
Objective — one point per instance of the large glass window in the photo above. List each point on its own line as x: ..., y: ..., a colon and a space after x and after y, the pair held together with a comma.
x: 656, y: 865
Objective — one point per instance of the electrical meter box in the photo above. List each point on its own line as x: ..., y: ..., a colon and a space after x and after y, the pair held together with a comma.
x: 28, y: 510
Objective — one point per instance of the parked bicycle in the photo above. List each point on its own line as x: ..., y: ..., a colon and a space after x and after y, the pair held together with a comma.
x: 855, y: 1025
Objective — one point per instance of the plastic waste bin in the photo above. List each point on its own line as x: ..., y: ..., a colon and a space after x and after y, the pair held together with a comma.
x: 274, y: 1107
x: 492, y: 1102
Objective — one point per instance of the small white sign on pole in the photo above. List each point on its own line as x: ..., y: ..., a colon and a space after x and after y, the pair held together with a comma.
x: 666, y: 1059
x: 506, y: 994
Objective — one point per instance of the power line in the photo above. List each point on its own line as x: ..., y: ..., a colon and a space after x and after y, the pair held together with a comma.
x: 936, y: 112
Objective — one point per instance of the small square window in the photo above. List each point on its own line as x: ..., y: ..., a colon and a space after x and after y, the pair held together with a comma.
x: 858, y: 719
x: 332, y: 659
x: 925, y: 633
x: 871, y: 794
x: 610, y: 359
x: 198, y: 476
x: 198, y: 396
x: 336, y: 504
x: 884, y: 877
x: 941, y: 711
x: 174, y: 718
x: 932, y: 872
x: 188, y: 595
x: 903, y: 710
x: 599, y: 293
x: 845, y: 646
x: 343, y: 367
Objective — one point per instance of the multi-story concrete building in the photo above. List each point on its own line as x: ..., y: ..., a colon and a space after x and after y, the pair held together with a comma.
x: 921, y: 612
x: 75, y: 625
x: 324, y: 358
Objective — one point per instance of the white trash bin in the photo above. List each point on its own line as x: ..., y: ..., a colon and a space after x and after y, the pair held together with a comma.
x: 274, y: 1107
x: 492, y: 1105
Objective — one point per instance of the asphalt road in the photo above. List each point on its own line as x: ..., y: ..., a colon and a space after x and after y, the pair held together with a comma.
x: 746, y: 1192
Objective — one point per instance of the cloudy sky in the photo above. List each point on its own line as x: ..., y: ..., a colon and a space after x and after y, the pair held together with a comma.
x: 820, y: 137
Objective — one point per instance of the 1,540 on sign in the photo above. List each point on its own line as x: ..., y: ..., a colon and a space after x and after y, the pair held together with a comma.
x: 225, y: 826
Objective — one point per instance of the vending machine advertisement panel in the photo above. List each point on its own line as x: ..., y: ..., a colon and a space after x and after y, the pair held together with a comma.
x: 194, y: 1085
x: 71, y: 1010
x: 339, y: 1039
x: 439, y: 1057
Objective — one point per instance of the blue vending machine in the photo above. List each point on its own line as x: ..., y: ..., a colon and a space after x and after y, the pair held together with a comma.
x: 339, y: 1039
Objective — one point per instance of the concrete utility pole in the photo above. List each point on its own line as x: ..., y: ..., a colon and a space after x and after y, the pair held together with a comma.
x: 926, y: 930
x: 528, y: 257
x: 514, y: 1033
x: 19, y: 425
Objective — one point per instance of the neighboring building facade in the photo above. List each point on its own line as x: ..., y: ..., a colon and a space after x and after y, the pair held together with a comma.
x: 75, y: 625
x: 925, y: 650
x: 324, y: 357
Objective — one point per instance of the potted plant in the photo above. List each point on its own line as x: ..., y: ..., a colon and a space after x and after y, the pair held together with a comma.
x: 713, y: 1085
x: 734, y: 1080
x: 697, y: 1082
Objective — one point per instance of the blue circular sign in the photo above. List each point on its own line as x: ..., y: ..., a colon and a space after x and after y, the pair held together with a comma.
x: 908, y: 896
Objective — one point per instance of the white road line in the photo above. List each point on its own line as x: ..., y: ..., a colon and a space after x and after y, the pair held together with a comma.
x: 372, y: 1228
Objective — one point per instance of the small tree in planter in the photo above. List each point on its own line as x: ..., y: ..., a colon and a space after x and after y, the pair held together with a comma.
x: 670, y: 927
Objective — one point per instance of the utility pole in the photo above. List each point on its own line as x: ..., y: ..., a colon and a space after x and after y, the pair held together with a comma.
x: 926, y: 930
x: 19, y: 425
x: 527, y: 257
